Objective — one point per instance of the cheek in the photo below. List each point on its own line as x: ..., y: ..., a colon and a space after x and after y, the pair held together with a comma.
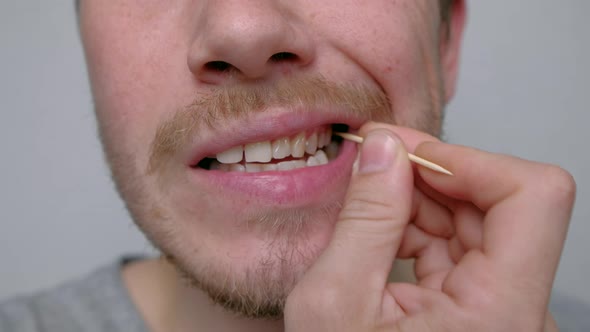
x: 137, y: 73
x: 396, y: 44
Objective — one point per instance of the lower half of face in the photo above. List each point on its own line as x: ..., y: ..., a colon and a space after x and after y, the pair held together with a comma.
x: 243, y: 237
x: 241, y: 186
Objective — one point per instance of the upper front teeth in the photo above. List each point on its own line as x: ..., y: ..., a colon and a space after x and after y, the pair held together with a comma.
x: 298, y: 146
x: 258, y: 152
x: 231, y: 156
x: 311, y: 145
x: 264, y: 152
x: 281, y: 148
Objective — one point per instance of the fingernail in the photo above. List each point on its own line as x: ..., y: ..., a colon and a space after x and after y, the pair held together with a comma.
x: 378, y: 152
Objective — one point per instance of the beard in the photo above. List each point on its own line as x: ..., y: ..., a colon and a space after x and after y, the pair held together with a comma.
x: 290, y: 240
x: 260, y: 289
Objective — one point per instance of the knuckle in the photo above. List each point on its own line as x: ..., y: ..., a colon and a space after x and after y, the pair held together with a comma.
x: 367, y: 206
x: 558, y: 185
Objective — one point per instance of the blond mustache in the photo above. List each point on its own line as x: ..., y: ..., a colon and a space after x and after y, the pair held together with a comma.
x: 238, y: 102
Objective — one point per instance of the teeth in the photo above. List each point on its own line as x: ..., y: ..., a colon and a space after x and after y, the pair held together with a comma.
x: 231, y: 156
x: 312, y: 161
x: 321, y: 157
x: 215, y: 165
x: 258, y: 156
x: 311, y: 144
x: 281, y: 148
x: 331, y: 150
x: 318, y: 159
x: 237, y: 168
x: 289, y: 165
x: 258, y: 152
x: 321, y: 140
x: 327, y: 137
x: 270, y: 167
x: 253, y: 168
x: 298, y: 145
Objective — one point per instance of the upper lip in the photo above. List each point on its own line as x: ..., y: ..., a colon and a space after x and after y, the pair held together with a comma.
x: 265, y: 126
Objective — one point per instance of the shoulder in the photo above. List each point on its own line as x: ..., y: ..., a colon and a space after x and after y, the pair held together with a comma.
x: 571, y: 313
x: 97, y: 302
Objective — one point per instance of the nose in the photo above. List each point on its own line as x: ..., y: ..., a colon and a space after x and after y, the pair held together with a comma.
x: 249, y: 40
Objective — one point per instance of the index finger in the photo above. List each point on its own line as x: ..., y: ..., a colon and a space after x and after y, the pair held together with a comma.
x: 411, y: 137
x: 527, y: 204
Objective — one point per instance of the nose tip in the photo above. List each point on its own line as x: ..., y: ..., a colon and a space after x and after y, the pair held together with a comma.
x: 249, y: 43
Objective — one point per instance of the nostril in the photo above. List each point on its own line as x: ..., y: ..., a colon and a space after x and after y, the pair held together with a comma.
x: 283, y: 56
x: 252, y: 69
x: 218, y: 66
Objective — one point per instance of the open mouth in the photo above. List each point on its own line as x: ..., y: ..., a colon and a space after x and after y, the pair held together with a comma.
x: 314, y: 147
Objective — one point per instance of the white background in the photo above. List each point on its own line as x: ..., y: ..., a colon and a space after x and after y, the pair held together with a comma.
x: 523, y: 90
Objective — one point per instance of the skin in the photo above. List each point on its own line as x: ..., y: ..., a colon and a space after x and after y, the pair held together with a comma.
x: 147, y: 60
x: 492, y: 251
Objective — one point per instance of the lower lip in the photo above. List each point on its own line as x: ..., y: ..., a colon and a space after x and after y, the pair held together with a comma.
x: 289, y: 188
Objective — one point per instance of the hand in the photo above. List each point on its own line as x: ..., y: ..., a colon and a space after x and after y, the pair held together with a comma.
x: 486, y: 241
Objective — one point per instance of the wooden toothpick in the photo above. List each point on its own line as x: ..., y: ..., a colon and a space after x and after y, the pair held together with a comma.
x: 414, y: 158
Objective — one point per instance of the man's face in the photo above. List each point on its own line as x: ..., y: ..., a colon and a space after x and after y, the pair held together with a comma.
x: 182, y: 87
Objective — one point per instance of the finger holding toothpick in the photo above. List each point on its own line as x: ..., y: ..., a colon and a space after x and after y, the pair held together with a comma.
x: 413, y: 158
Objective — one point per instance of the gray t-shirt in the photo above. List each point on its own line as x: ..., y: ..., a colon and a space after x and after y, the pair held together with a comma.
x: 100, y: 303
x: 96, y: 303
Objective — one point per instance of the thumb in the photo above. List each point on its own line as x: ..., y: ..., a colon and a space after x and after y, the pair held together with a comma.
x: 376, y: 210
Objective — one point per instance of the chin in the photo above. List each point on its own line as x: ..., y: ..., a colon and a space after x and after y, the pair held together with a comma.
x: 247, y: 264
